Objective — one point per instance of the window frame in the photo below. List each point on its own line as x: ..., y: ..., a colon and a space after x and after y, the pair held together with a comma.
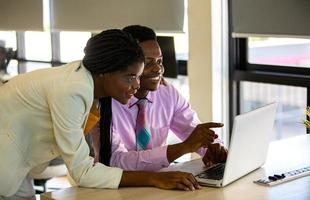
x: 241, y: 70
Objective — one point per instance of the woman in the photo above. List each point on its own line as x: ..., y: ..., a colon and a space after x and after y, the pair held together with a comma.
x: 43, y: 113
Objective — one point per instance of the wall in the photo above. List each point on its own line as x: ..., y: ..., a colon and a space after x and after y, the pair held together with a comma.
x: 200, y: 57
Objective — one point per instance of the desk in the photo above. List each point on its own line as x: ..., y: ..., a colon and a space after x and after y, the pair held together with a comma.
x: 284, y: 155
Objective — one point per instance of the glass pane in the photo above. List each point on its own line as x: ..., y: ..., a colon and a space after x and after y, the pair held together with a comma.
x: 31, y: 66
x: 292, y: 103
x: 180, y: 44
x: 72, y: 45
x: 38, y: 46
x: 279, y: 51
x: 13, y: 68
x: 9, y: 38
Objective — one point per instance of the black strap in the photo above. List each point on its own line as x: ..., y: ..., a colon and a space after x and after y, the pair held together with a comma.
x: 105, y: 130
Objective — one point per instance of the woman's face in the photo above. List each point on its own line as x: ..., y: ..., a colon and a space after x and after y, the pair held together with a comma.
x: 120, y: 85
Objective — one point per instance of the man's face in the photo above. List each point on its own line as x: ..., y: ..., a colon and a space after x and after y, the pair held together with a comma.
x: 153, y: 69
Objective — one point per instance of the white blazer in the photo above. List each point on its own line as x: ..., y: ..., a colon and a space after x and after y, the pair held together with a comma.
x: 42, y: 115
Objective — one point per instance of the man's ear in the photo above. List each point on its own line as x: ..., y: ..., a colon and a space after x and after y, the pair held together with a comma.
x: 163, y: 81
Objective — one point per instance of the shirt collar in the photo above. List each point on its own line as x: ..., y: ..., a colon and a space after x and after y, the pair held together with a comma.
x: 133, y: 101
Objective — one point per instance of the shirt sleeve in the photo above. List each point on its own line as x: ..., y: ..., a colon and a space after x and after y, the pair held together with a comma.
x: 68, y: 109
x: 185, y: 119
x: 149, y: 160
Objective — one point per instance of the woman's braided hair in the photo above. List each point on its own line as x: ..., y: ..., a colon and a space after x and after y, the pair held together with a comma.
x: 110, y: 51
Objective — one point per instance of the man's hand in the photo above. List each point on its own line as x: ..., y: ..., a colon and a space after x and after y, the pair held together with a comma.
x: 202, y: 136
x: 216, y: 153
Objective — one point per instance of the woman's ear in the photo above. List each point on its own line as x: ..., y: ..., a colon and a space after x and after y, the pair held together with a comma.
x: 100, y: 84
x: 99, y: 77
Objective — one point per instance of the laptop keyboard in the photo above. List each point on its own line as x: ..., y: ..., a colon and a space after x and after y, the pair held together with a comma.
x: 216, y: 172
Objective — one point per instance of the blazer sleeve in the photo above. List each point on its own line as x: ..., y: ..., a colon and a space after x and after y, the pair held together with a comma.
x: 69, y: 107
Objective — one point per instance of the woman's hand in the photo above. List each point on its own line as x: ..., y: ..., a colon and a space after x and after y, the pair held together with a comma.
x: 175, y: 180
x: 164, y: 180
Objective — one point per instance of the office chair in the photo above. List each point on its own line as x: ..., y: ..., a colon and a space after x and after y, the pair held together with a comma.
x: 56, y: 168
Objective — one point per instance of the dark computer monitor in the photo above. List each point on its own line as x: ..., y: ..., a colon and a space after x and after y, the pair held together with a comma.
x: 166, y: 44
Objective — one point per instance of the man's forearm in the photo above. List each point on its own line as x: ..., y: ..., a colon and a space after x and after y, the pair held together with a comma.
x: 148, y: 160
x: 175, y: 151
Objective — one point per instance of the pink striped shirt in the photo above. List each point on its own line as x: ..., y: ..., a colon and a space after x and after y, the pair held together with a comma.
x: 166, y: 110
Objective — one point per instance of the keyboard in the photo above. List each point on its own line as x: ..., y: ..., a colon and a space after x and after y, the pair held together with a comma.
x: 284, y: 177
x: 216, y: 172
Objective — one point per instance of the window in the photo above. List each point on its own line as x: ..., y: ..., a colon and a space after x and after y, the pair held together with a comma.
x: 31, y: 66
x: 180, y: 44
x: 292, y: 104
x: 8, y: 41
x: 9, y: 37
x: 264, y: 70
x: 258, y: 79
x: 38, y: 46
x: 72, y: 45
x: 279, y: 51
x: 13, y: 68
x: 270, y: 48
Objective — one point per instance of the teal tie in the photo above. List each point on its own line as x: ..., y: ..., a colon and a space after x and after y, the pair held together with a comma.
x: 143, y: 133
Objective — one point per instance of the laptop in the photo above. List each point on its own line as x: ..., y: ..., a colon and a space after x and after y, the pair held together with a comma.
x: 250, y: 138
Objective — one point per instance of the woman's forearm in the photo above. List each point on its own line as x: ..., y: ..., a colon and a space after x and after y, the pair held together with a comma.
x: 137, y: 178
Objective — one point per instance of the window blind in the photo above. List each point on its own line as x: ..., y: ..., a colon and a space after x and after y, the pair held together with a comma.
x: 290, y: 18
x: 21, y: 15
x: 97, y: 15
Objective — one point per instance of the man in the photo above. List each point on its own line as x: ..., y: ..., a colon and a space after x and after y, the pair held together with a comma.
x: 166, y: 110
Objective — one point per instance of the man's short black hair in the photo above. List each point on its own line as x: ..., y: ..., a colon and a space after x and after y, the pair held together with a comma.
x: 140, y: 33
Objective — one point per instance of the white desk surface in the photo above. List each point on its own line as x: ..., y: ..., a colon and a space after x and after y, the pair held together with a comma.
x: 283, y: 156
